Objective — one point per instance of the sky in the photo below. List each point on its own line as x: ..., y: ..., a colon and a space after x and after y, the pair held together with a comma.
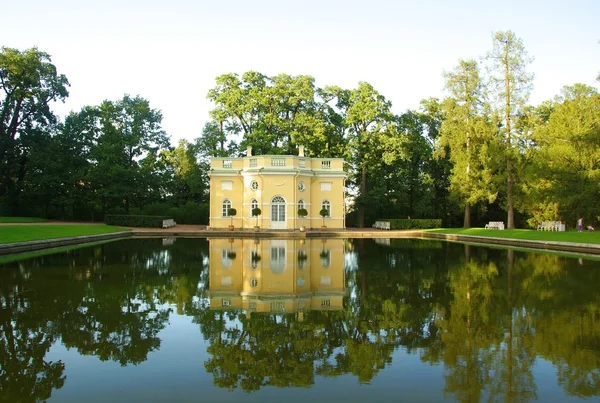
x: 170, y: 52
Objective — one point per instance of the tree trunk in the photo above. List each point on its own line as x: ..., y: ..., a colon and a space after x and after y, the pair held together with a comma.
x: 363, y: 191
x: 467, y: 220
x: 510, y: 220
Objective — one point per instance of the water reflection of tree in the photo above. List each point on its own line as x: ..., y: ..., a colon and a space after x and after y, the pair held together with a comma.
x: 109, y: 301
x: 468, y: 327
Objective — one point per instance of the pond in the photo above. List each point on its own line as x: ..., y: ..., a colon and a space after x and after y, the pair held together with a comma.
x: 295, y: 320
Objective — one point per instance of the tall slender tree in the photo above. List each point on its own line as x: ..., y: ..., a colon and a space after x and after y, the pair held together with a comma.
x: 467, y: 132
x: 512, y: 85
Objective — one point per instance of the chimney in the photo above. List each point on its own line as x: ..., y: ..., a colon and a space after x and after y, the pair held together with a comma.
x: 249, y: 151
x: 301, y: 151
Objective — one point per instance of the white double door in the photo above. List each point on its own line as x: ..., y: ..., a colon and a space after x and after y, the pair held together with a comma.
x: 278, y: 218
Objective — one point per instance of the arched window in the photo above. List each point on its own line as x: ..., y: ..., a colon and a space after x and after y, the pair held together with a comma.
x: 253, y: 205
x: 327, y: 206
x: 300, y: 204
x: 226, y: 206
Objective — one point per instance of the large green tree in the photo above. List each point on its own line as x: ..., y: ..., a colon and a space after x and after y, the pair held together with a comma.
x: 126, y: 158
x: 467, y: 132
x: 567, y: 159
x: 29, y: 84
x: 511, y: 83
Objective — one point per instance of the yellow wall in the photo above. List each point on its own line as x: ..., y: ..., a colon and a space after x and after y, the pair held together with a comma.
x: 280, y: 281
x: 277, y: 176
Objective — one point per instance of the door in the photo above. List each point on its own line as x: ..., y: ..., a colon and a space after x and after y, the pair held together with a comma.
x: 278, y: 220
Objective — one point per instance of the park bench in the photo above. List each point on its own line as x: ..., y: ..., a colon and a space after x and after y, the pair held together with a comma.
x: 382, y: 225
x: 495, y: 225
x: 168, y: 223
x: 551, y: 226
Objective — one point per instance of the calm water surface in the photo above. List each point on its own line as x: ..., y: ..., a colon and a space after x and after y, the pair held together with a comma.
x: 226, y: 320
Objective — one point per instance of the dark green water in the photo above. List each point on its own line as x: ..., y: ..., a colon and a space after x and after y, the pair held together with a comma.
x: 340, y: 320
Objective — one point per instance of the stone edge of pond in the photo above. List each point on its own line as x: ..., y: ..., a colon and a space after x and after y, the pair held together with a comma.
x: 18, y: 247
x: 521, y: 243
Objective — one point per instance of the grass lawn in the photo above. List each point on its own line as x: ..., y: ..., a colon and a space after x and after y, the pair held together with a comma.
x: 528, y: 234
x: 22, y: 233
x: 21, y: 219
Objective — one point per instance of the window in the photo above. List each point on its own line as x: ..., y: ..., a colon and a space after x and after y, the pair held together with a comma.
x: 253, y: 205
x: 254, y: 185
x: 325, y: 302
x: 277, y: 306
x: 301, y: 186
x: 226, y: 206
x: 252, y: 162
x: 326, y: 186
x: 227, y: 163
x: 300, y: 204
x: 327, y: 206
x: 326, y: 164
x: 225, y: 302
x: 253, y: 282
x: 226, y: 185
x: 278, y: 162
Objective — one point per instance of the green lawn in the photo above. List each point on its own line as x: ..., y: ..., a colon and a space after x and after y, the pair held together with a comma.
x: 528, y: 234
x: 22, y: 233
x: 21, y: 219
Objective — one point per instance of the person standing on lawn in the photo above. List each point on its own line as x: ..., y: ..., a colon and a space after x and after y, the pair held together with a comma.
x: 580, y: 224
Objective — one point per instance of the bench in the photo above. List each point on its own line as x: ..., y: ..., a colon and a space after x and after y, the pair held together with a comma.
x: 551, y: 226
x: 382, y: 225
x: 168, y: 223
x: 495, y: 225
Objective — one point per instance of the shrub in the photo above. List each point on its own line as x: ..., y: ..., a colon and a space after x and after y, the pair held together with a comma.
x: 418, y: 223
x: 135, y: 220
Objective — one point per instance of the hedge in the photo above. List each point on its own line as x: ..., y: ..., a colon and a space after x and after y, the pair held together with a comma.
x: 148, y: 221
x: 415, y: 223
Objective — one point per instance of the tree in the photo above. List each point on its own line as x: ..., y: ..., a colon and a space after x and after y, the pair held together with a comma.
x: 369, y: 123
x: 256, y: 212
x: 29, y: 82
x: 468, y: 132
x: 126, y: 156
x: 512, y: 84
x: 567, y: 168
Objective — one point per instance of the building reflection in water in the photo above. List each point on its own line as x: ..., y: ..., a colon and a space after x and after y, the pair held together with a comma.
x: 277, y: 275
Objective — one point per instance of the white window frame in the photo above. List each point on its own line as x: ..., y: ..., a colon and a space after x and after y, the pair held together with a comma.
x: 225, y: 206
x: 253, y: 205
x: 326, y: 204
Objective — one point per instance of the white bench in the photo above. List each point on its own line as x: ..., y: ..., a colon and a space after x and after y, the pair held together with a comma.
x: 495, y: 225
x: 551, y: 226
x: 168, y: 223
x: 382, y: 225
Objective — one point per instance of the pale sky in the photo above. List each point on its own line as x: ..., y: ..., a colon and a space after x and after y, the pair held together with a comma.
x: 171, y: 51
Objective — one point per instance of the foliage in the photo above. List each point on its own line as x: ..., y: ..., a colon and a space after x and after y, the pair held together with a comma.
x: 467, y: 135
x: 231, y: 213
x: 29, y: 84
x: 135, y: 220
x: 21, y: 219
x: 511, y: 84
x: 417, y: 223
x: 302, y: 212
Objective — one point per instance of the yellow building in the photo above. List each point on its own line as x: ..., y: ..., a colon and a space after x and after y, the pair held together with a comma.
x: 279, y: 185
x: 276, y: 275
